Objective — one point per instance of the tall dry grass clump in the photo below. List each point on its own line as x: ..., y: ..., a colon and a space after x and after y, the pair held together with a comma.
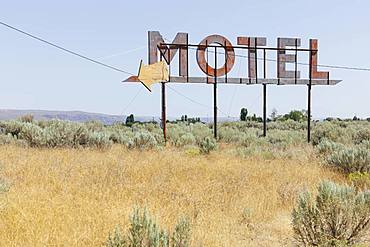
x: 76, y: 197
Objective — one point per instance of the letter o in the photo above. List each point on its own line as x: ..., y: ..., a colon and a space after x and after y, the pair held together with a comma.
x: 201, y: 56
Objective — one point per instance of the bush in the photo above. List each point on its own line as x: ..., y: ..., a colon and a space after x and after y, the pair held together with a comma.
x: 207, y: 145
x: 337, y: 217
x: 145, y: 232
x: 360, y: 180
x: 116, y: 240
x: 352, y: 159
x: 285, y: 138
x: 99, y: 140
x: 26, y: 118
x: 33, y: 134
x: 365, y: 144
x: 144, y: 140
x: 4, y: 186
x: 181, y: 234
x: 328, y: 147
x: 362, y: 135
x: 327, y: 130
x: 186, y: 139
x: 6, y: 139
x: 12, y: 127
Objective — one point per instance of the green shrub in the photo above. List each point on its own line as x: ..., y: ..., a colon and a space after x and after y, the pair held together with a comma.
x: 192, y: 151
x: 4, y: 186
x: 207, y: 145
x: 99, y: 140
x: 121, y: 138
x: 365, y: 144
x: 285, y: 138
x: 200, y: 132
x: 6, y: 139
x: 352, y: 159
x: 33, y: 134
x: 249, y: 140
x: 12, y: 127
x: 360, y: 180
x: 328, y: 147
x: 144, y: 140
x: 26, y: 118
x: 326, y: 130
x: 116, y: 240
x: 338, y: 216
x: 66, y: 134
x: 145, y: 232
x: 186, y: 139
x: 230, y: 135
x: 361, y: 135
x: 182, y: 233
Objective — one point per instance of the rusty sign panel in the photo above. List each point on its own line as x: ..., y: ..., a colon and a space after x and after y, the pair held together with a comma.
x: 287, y: 51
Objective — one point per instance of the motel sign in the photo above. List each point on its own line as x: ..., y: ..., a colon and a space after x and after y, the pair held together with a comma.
x: 254, y: 49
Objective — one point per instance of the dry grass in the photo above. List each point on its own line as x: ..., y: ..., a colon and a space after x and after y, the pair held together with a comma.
x: 69, y: 197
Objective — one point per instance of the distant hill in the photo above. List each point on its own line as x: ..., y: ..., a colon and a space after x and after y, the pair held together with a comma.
x: 77, y: 116
x: 80, y: 116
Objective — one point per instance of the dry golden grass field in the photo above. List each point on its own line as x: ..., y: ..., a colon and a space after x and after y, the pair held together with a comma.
x: 75, y: 197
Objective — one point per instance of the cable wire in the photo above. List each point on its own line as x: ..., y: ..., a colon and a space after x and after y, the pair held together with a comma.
x: 132, y: 100
x: 129, y: 73
x: 65, y: 49
x: 188, y: 98
x: 300, y: 63
x: 194, y: 101
x: 123, y: 53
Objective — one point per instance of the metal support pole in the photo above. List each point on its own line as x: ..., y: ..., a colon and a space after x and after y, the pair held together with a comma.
x: 264, y: 110
x: 164, y: 99
x: 215, y: 98
x: 309, y: 101
x: 264, y: 95
x: 215, y: 110
x: 164, y: 111
x: 309, y: 114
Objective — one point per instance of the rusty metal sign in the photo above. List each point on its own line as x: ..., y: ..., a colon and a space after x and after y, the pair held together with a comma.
x: 159, y: 49
x: 287, y: 52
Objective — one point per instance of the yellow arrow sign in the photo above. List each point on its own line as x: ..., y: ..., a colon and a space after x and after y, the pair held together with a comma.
x: 153, y: 73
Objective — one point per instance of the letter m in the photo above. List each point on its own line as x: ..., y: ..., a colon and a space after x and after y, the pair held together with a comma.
x: 155, y: 39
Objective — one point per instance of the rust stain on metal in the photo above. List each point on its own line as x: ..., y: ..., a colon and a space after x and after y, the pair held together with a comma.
x: 252, y: 42
x: 288, y: 51
x: 214, y: 75
x: 201, y: 55
x: 314, y: 73
x: 283, y: 58
x: 156, y: 40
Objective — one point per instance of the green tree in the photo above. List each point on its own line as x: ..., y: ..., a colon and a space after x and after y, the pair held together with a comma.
x: 273, y: 114
x: 243, y: 114
x: 130, y: 120
x: 296, y: 115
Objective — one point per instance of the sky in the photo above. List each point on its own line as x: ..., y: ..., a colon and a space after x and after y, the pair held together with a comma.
x: 36, y: 76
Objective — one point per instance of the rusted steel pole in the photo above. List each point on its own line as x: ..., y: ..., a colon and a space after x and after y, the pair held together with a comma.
x: 264, y: 111
x: 215, y: 110
x: 309, y: 114
x: 264, y: 95
x: 215, y: 98
x: 309, y: 100
x: 164, y: 111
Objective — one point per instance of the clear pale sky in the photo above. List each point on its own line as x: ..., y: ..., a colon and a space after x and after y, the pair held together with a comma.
x: 36, y: 76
